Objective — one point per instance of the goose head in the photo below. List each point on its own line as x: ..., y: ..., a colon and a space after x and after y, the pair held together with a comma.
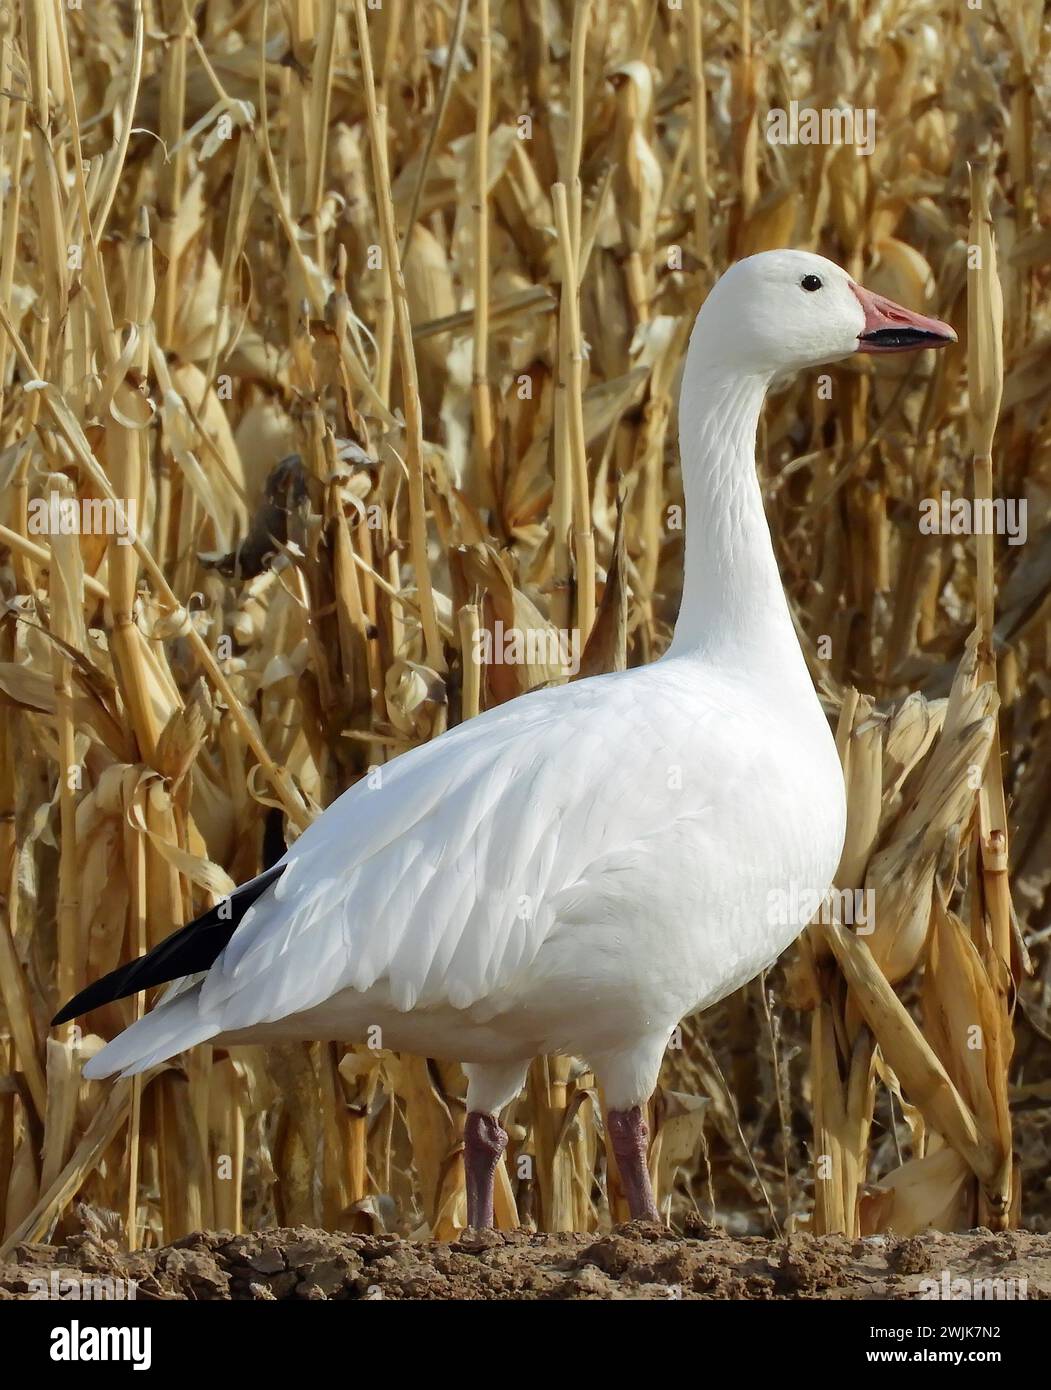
x: 782, y: 311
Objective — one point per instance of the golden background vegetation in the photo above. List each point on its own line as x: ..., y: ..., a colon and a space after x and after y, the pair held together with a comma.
x: 375, y: 314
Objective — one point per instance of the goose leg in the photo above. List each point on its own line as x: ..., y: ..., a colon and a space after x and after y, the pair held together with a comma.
x: 484, y: 1140
x: 490, y: 1086
x: 629, y: 1136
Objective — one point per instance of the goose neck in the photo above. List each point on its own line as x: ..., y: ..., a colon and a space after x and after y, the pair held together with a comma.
x: 733, y: 603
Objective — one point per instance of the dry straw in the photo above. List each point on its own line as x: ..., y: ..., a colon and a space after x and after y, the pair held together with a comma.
x: 439, y: 263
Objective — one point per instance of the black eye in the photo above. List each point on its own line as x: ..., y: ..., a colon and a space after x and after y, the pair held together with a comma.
x: 811, y: 282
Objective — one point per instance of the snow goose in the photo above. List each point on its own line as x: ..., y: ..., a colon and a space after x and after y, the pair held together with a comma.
x: 579, y: 869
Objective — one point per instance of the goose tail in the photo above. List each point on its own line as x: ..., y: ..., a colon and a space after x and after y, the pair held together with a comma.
x: 174, y: 1025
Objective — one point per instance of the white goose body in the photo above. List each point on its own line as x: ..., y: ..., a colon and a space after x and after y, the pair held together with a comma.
x: 620, y: 879
x: 579, y: 869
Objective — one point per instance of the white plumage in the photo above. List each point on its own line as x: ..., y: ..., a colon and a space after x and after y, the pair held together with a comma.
x: 579, y: 869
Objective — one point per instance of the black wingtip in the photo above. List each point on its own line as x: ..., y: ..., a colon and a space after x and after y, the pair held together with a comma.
x: 191, y: 949
x: 101, y: 991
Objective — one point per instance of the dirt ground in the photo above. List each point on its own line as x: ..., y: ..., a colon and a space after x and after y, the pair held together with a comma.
x: 636, y: 1261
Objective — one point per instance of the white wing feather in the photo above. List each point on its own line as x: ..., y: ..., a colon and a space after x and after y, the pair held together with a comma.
x: 443, y: 881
